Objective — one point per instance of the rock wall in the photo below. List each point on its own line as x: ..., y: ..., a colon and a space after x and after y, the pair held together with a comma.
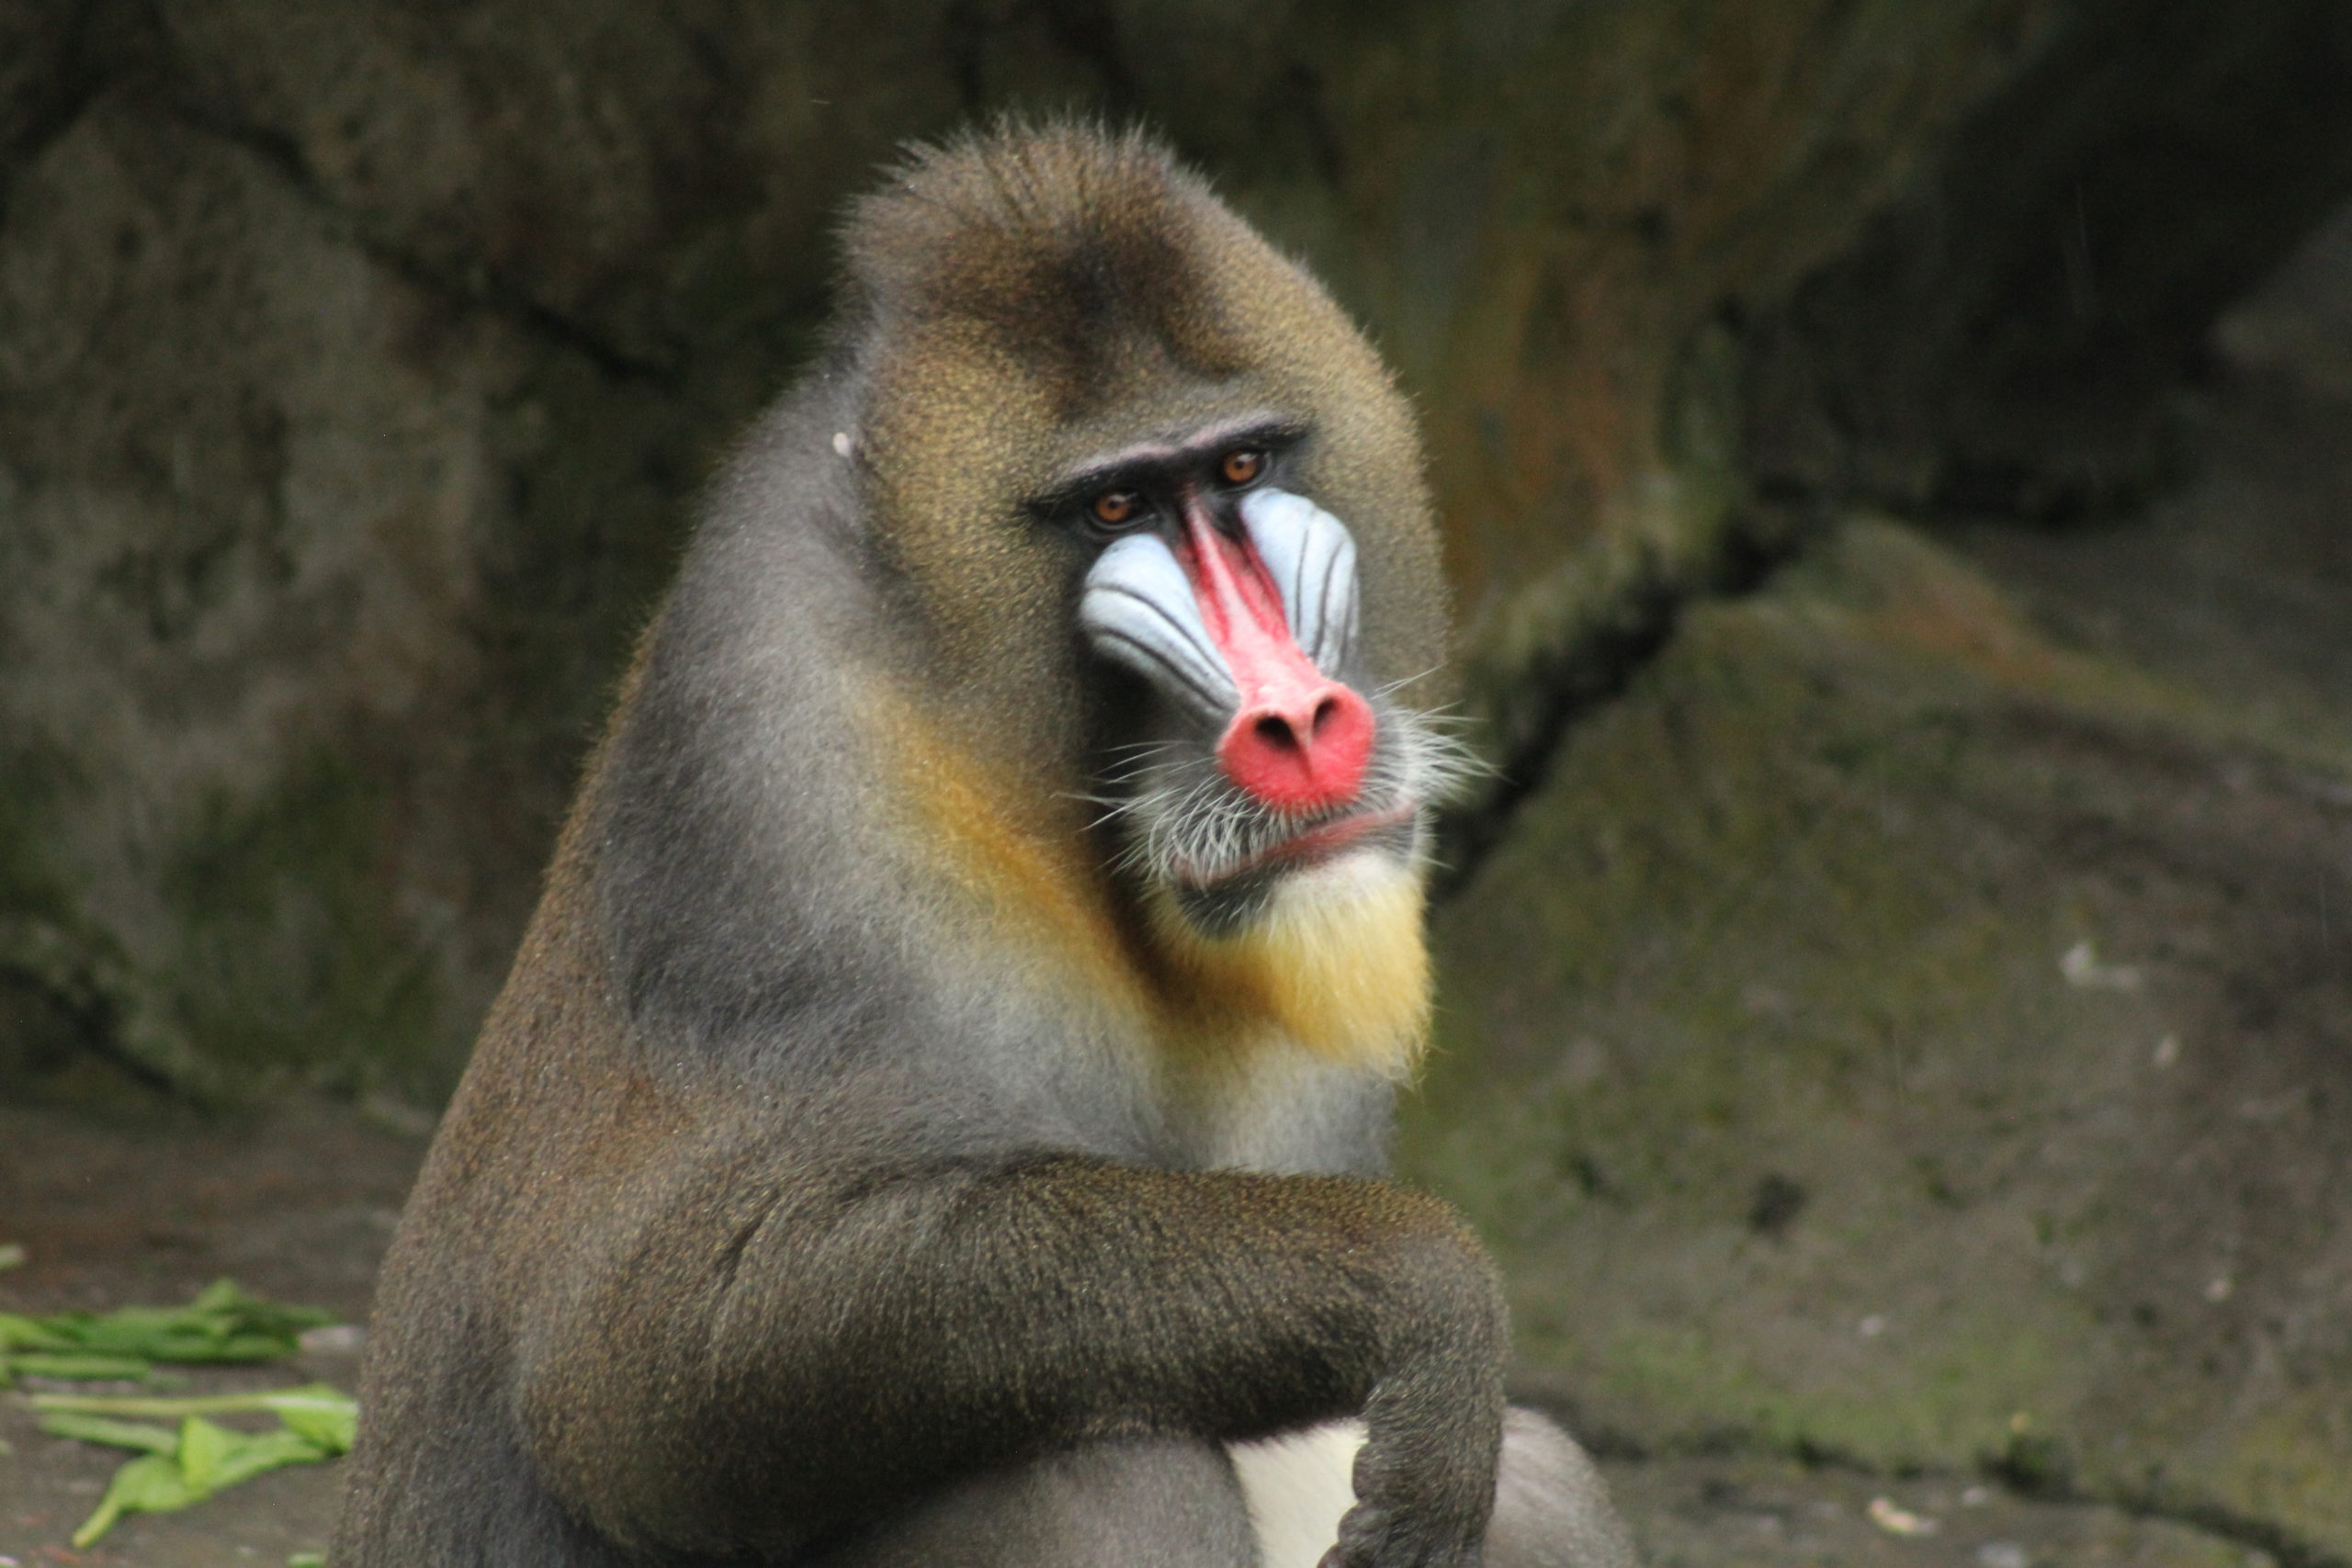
x: 1990, y: 344
x: 357, y: 361
x: 1911, y: 1027
x: 1892, y: 1036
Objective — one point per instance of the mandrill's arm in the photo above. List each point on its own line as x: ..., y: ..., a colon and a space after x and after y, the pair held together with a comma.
x: 801, y: 1356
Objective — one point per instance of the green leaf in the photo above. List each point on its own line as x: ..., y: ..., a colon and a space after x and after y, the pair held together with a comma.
x: 278, y: 1400
x: 222, y: 1295
x: 205, y: 1346
x: 76, y: 1367
x: 150, y: 1485
x: 117, y: 1433
x: 185, y: 1467
x: 322, y: 1415
x: 307, y: 1560
x: 203, y: 1447
x: 223, y: 1299
x: 249, y: 1457
x: 224, y: 1323
x: 29, y: 1334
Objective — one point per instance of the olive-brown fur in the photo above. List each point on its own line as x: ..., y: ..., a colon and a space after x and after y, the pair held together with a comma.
x: 831, y: 1147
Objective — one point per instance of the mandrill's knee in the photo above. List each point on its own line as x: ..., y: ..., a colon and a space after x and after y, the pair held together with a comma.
x: 1552, y: 1508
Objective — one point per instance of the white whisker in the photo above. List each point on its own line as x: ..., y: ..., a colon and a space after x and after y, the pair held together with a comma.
x: 1178, y: 816
x: 1393, y: 687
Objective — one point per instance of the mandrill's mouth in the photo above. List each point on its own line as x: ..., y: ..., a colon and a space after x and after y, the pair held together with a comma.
x: 1321, y: 841
x: 1191, y: 831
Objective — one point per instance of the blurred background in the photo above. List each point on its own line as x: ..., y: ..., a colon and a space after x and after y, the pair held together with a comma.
x: 1896, y: 462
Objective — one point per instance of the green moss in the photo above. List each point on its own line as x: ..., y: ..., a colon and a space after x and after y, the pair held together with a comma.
x: 1970, y: 1389
x: 32, y: 779
x: 2282, y: 1460
x: 52, y: 966
x: 1758, y: 1066
x: 290, y: 960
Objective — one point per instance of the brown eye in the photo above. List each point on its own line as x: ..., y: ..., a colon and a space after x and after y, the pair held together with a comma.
x: 1240, y: 468
x: 1115, y: 507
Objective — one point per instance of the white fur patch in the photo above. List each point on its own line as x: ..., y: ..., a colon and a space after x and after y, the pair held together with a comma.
x: 1297, y: 1486
x: 1343, y: 880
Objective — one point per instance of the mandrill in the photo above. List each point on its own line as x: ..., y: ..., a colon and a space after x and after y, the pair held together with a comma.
x: 938, y: 1111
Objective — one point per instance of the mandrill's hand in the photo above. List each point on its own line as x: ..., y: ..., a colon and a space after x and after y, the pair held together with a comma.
x: 1425, y: 1476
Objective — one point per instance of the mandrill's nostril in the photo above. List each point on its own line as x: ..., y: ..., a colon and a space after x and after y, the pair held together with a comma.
x: 1306, y: 752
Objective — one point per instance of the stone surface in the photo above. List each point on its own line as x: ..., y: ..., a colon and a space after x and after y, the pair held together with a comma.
x: 297, y: 602
x: 1912, y: 1024
x: 1991, y: 344
x: 1890, y: 1033
x: 1714, y: 1512
x: 149, y: 1207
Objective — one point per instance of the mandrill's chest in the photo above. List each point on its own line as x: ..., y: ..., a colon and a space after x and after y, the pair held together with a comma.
x: 1280, y: 1047
x: 1282, y: 1110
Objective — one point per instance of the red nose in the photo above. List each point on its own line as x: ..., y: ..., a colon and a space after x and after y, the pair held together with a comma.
x: 1301, y: 749
x: 1299, y: 740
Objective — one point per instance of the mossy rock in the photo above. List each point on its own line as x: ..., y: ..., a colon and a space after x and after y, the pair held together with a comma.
x: 1887, y: 1033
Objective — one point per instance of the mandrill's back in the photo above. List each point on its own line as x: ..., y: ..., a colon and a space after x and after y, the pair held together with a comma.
x: 442, y: 1472
x: 734, y: 985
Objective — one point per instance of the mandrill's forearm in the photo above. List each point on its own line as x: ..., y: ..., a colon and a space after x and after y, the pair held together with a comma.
x: 846, y: 1355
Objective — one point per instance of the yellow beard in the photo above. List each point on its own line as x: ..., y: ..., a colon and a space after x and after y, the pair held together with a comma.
x: 1337, y: 964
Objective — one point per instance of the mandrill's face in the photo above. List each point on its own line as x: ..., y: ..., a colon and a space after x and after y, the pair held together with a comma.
x: 1263, y: 767
x: 1164, y: 513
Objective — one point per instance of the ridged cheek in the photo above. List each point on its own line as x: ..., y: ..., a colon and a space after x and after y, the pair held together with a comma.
x: 1139, y: 611
x: 1311, y: 559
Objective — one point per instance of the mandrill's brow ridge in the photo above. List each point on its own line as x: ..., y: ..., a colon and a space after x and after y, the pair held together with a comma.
x: 1164, y: 455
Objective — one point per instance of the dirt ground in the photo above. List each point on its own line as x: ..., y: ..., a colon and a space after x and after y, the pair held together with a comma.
x: 149, y: 1206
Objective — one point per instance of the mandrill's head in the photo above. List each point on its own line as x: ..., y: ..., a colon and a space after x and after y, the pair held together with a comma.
x: 1160, y: 516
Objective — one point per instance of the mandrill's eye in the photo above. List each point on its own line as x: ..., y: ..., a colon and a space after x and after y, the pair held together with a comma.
x: 1115, y: 508
x: 1240, y: 468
